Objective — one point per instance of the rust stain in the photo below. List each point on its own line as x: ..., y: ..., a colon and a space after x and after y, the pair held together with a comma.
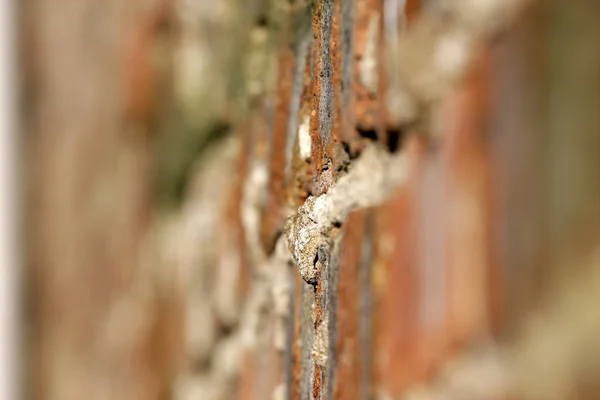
x: 322, y: 151
x: 318, y: 311
x: 336, y: 77
x: 318, y: 385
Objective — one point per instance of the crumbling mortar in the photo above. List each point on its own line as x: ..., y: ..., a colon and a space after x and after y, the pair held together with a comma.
x: 368, y: 182
x: 370, y: 179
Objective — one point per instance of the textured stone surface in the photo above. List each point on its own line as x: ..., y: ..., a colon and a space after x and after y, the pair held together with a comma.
x: 343, y: 242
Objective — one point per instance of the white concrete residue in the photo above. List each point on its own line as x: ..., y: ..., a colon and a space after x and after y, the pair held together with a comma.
x: 370, y: 180
x: 304, y: 142
x: 401, y: 104
x: 254, y: 188
x: 194, y: 386
x: 280, y: 392
x: 452, y: 53
x: 279, y: 273
x: 280, y: 279
x: 322, y: 209
x: 225, y: 293
x: 252, y: 323
x: 368, y: 67
x: 320, y: 349
x: 228, y: 356
x: 487, y: 14
x: 252, y: 318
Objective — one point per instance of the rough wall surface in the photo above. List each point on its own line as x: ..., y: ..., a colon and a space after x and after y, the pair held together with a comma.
x: 380, y: 219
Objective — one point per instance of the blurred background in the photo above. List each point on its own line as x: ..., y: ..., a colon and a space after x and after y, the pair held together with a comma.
x: 162, y: 144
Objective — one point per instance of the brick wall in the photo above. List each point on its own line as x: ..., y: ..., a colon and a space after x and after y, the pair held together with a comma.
x: 395, y: 210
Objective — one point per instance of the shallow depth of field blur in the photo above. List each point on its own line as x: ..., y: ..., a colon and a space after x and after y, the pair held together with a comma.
x: 166, y: 143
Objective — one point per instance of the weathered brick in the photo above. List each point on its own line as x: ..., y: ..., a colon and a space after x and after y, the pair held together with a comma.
x: 396, y: 293
x: 367, y: 105
x: 348, y: 363
x: 322, y: 109
x: 302, y: 176
x: 469, y: 245
x: 274, y: 217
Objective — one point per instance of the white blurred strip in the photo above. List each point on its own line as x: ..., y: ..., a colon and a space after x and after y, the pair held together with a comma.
x: 9, y: 252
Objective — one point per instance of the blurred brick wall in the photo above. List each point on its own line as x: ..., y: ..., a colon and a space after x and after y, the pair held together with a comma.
x: 102, y: 324
x: 409, y: 283
x: 412, y: 285
x: 129, y: 301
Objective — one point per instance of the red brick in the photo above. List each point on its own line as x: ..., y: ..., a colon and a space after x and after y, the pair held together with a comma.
x: 347, y: 354
x: 274, y: 217
x: 321, y: 120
